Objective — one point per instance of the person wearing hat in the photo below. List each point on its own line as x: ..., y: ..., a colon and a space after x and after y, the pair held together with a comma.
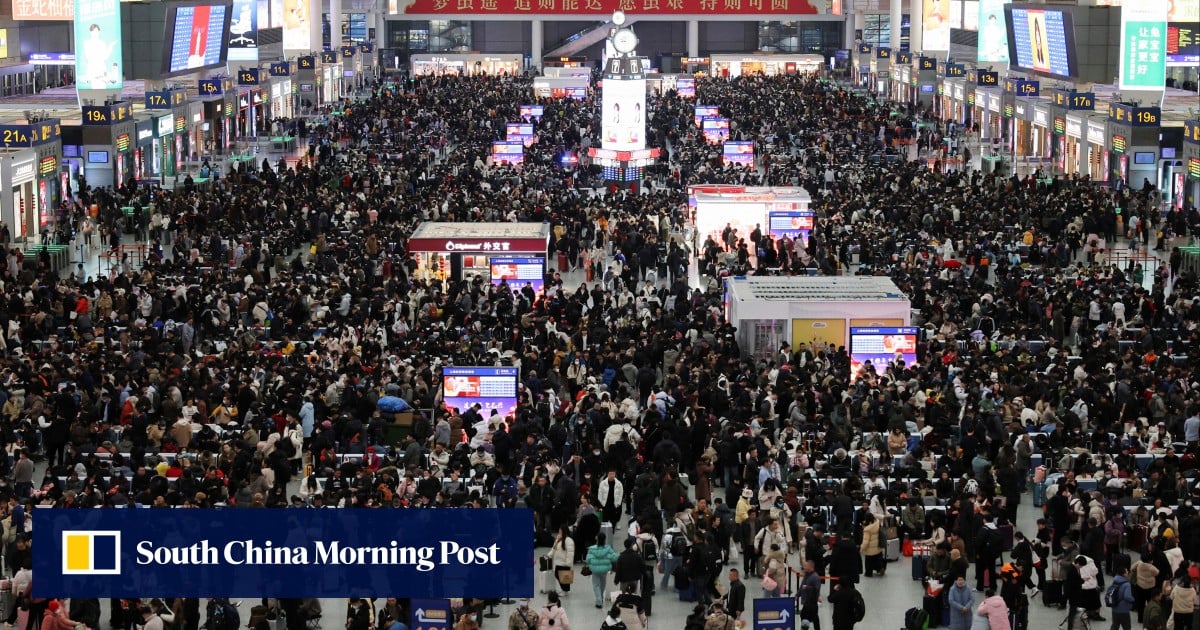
x: 55, y: 618
x: 524, y: 617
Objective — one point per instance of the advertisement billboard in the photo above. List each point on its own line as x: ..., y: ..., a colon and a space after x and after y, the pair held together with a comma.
x: 993, y: 36
x: 519, y: 272
x: 98, y: 45
x: 1041, y: 40
x: 243, y: 31
x: 519, y: 132
x: 1143, y: 45
x: 195, y: 38
x: 623, y: 127
x: 935, y: 25
x: 490, y: 387
x: 790, y: 223
x: 508, y: 152
x: 704, y: 111
x: 297, y: 25
x: 1183, y: 49
x: 686, y: 87
x: 715, y: 129
x: 880, y: 346
x: 739, y: 152
x: 531, y: 111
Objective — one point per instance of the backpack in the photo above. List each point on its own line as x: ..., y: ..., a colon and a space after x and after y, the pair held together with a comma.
x: 858, y: 607
x: 679, y: 545
x: 225, y: 617
x: 916, y: 619
x: 714, y: 557
x: 1112, y: 596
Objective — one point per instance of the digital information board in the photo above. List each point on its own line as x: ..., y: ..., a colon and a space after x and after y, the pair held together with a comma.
x: 879, y: 346
x: 519, y: 271
x: 491, y: 387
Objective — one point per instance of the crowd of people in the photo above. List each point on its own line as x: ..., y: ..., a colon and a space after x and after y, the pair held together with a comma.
x: 279, y: 305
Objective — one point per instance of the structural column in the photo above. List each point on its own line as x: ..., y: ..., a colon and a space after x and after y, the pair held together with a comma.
x: 916, y: 21
x: 848, y: 11
x: 896, y: 18
x: 536, y: 43
x: 693, y: 38
x: 335, y: 24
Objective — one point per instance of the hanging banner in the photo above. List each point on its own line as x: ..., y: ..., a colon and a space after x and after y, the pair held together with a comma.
x: 243, y: 31
x: 297, y: 31
x: 935, y: 26
x: 1143, y: 45
x: 993, y: 36
x: 98, y: 44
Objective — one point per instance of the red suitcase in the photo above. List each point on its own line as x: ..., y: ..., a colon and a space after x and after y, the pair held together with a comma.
x: 1006, y: 535
x: 1137, y: 537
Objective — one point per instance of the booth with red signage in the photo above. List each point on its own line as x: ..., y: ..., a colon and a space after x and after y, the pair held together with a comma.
x: 513, y: 252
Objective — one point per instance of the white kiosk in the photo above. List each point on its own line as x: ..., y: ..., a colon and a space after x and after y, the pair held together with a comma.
x: 818, y: 311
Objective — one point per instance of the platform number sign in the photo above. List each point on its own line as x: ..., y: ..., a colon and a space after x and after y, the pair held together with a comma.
x: 430, y: 614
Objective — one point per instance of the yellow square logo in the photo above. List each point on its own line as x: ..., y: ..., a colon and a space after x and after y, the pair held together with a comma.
x: 91, y: 552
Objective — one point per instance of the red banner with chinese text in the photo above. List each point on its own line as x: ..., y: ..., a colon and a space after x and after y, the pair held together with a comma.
x: 604, y: 7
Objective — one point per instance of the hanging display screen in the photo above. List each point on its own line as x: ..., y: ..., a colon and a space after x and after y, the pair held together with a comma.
x: 196, y: 37
x: 1041, y: 40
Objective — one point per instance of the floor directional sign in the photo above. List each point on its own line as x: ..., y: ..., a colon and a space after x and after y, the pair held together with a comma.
x: 777, y: 613
x: 430, y: 614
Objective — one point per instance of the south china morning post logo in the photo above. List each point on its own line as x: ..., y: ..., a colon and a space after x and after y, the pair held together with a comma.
x: 286, y: 553
x: 91, y: 552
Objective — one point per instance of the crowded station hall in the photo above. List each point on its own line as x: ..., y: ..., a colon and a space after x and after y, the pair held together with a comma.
x: 812, y: 324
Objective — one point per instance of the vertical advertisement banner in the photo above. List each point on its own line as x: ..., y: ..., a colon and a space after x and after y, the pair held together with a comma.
x: 993, y: 36
x: 297, y: 25
x: 243, y: 31
x: 935, y: 25
x: 624, y: 107
x: 1143, y: 45
x: 98, y: 45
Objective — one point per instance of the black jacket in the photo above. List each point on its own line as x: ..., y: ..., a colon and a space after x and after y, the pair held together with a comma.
x: 628, y: 567
x: 736, y: 599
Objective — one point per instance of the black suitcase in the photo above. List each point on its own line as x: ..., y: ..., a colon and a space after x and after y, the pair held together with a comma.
x: 1052, y: 593
x: 933, y: 605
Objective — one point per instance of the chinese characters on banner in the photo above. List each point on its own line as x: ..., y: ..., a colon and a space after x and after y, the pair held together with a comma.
x: 43, y: 9
x: 1143, y: 45
x: 652, y: 7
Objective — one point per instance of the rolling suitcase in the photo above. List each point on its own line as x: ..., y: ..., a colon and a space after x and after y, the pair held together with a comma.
x: 1039, y: 494
x: 1052, y: 593
x: 7, y: 601
x: 918, y: 567
x: 933, y: 605
x: 1006, y: 535
x: 1137, y: 537
x: 891, y: 551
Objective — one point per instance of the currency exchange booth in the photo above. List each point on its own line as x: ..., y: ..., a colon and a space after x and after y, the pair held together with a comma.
x: 512, y: 252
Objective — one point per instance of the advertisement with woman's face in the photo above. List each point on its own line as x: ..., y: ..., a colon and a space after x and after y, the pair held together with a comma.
x: 98, y: 40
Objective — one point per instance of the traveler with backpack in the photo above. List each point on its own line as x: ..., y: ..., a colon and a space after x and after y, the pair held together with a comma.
x: 674, y: 551
x: 1119, y: 597
x: 849, y: 607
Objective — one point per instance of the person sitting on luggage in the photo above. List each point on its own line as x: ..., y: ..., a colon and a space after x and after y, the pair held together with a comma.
x: 938, y: 564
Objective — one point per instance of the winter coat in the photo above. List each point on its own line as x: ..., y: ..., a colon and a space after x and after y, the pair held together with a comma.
x: 870, y: 540
x: 996, y: 612
x: 961, y: 601
x: 553, y: 617
x: 600, y: 558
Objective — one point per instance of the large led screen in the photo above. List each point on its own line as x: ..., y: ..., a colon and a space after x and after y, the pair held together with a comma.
x: 880, y: 346
x: 195, y: 37
x: 739, y: 152
x: 790, y: 223
x: 1041, y: 40
x: 623, y: 127
x: 519, y: 272
x: 243, y: 31
x: 491, y: 387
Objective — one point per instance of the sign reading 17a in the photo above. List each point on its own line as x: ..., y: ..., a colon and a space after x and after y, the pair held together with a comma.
x: 157, y: 99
